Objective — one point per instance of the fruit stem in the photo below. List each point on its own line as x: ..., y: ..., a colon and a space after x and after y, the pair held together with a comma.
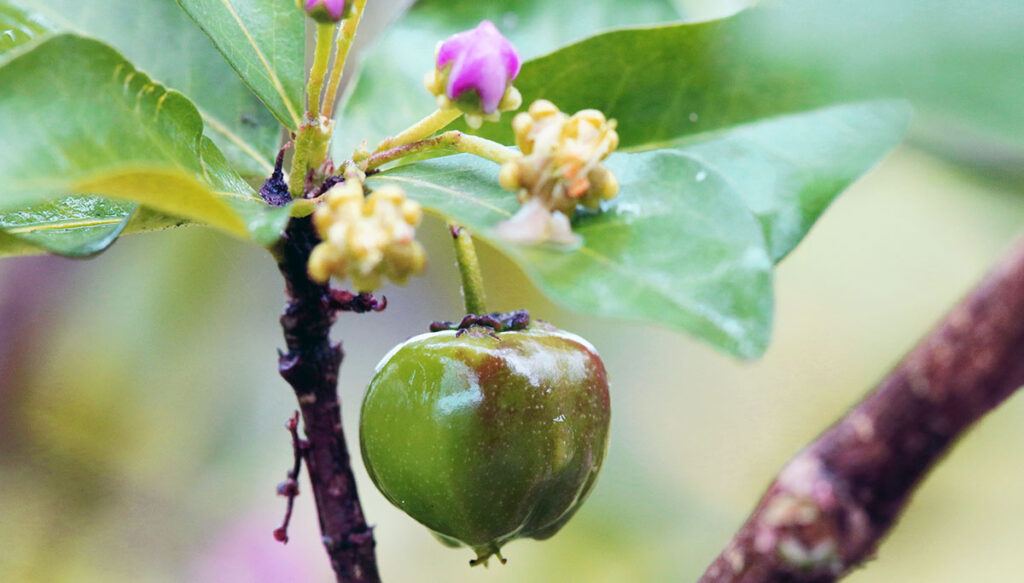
x: 469, y: 269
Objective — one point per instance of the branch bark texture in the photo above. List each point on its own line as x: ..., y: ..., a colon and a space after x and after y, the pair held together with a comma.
x: 311, y: 367
x: 831, y: 505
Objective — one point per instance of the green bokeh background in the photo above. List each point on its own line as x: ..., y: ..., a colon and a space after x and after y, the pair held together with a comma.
x: 141, y: 416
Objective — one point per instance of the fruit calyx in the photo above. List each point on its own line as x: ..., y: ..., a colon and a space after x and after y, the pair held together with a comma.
x: 496, y: 321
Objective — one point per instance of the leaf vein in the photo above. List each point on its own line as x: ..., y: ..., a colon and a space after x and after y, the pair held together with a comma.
x: 271, y: 73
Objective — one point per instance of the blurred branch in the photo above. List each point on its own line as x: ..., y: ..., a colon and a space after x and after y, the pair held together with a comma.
x: 829, y: 508
x: 311, y: 367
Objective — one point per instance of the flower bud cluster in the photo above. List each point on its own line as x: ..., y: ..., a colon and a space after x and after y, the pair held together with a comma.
x: 474, y: 73
x: 366, y: 239
x: 562, y: 155
x: 559, y: 171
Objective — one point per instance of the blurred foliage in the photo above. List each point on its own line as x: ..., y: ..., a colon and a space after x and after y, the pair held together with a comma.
x: 141, y: 419
x: 958, y: 62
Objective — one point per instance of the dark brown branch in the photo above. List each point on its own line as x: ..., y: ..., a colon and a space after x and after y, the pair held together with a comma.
x: 831, y: 505
x: 311, y: 367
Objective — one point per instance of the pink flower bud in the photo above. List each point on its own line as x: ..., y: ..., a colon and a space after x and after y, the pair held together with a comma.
x: 326, y: 10
x: 481, y: 60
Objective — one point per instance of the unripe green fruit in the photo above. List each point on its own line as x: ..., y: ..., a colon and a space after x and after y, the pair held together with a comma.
x: 487, y: 438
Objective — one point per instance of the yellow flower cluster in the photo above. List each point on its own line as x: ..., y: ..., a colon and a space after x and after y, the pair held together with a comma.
x: 366, y: 239
x: 562, y: 155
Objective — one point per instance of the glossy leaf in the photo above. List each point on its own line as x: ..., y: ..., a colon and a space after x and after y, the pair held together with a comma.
x: 13, y: 246
x: 78, y: 119
x: 176, y: 53
x: 73, y: 226
x: 17, y: 27
x: 690, y: 259
x: 389, y: 95
x: 264, y: 40
x: 76, y: 225
x: 83, y: 225
x: 689, y: 241
x: 239, y: 122
x: 80, y: 226
x: 789, y: 170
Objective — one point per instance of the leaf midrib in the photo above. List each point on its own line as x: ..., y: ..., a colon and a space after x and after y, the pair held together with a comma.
x: 57, y: 225
x: 271, y: 73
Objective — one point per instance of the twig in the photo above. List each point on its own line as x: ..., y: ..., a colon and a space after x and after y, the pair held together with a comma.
x: 290, y: 487
x: 343, y: 301
x: 831, y: 505
x: 453, y: 141
x: 311, y: 367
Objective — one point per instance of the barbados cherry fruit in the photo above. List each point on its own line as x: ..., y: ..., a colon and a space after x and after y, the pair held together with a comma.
x: 487, y: 437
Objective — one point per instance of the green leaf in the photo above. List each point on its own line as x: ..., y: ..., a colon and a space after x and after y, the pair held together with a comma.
x: 76, y: 118
x: 80, y: 226
x: 690, y: 259
x: 689, y: 242
x: 13, y: 246
x: 265, y: 41
x: 389, y: 95
x: 17, y: 28
x: 74, y: 226
x: 789, y: 170
x: 159, y: 38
